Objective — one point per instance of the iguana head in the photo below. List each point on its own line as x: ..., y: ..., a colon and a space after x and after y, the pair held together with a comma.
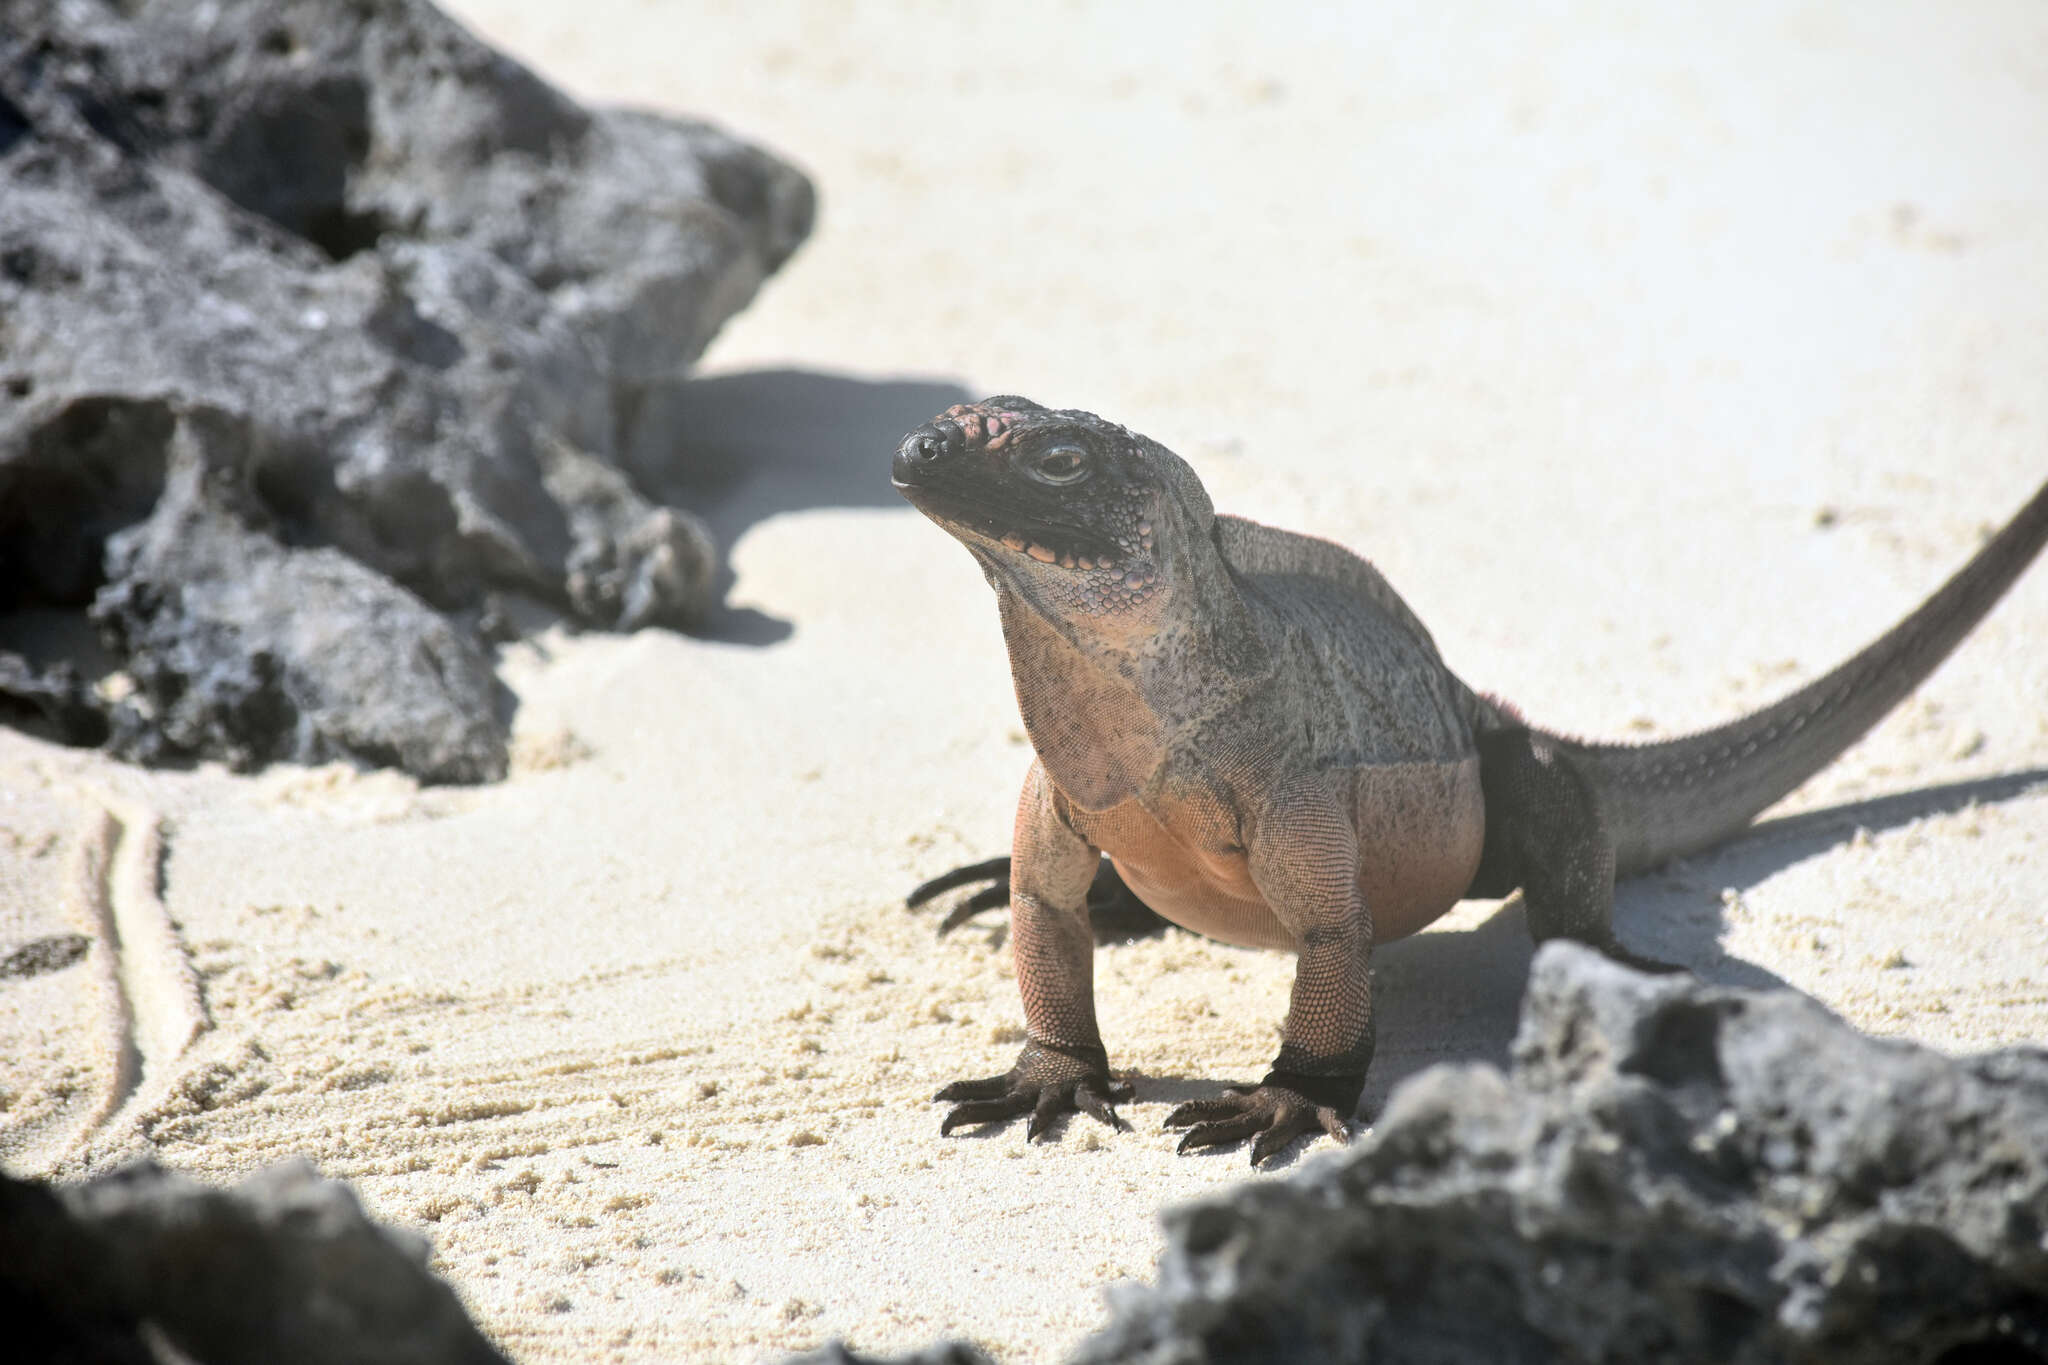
x: 1118, y: 610
x: 1079, y: 515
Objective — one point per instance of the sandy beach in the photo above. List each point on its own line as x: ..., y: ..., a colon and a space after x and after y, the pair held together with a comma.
x: 1660, y: 361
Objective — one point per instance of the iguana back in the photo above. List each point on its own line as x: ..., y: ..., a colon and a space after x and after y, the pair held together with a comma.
x: 1666, y: 799
x: 1363, y: 679
x: 1254, y: 548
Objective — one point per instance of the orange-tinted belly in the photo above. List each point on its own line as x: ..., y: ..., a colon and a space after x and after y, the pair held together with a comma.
x: 1420, y: 829
x: 1195, y: 903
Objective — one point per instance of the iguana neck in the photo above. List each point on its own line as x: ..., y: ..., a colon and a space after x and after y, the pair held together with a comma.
x: 1102, y: 697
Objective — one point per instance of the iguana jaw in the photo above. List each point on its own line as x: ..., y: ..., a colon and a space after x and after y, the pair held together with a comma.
x: 1018, y: 535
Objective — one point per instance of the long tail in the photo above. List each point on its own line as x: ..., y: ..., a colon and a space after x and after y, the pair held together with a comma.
x: 1667, y: 799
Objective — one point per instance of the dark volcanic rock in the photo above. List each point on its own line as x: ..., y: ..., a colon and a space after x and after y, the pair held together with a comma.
x: 252, y: 652
x: 405, y: 300
x: 945, y: 1353
x: 57, y: 695
x: 1673, y: 1171
x: 283, y: 1267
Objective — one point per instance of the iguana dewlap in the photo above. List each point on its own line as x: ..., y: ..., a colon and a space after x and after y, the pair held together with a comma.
x: 1262, y: 738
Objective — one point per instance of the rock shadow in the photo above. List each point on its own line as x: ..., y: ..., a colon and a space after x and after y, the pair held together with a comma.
x: 737, y: 449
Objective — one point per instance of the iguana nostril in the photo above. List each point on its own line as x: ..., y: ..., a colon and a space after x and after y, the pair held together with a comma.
x: 918, y: 457
x: 926, y: 446
x: 918, y: 450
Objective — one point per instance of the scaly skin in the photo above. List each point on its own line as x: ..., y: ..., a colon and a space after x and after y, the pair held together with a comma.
x: 1263, y: 740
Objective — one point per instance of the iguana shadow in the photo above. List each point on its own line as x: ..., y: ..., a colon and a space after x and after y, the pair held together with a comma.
x: 736, y: 449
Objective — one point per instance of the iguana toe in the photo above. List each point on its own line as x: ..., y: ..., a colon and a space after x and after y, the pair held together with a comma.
x: 988, y: 898
x: 987, y: 1088
x: 1095, y: 1099
x: 1271, y: 1115
x: 1006, y: 1106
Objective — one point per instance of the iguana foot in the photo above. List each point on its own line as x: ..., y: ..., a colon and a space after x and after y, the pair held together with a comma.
x: 1047, y: 1081
x: 1271, y: 1115
x: 1614, y: 952
x: 1115, y: 913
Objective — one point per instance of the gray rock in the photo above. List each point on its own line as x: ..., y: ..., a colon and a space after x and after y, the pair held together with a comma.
x: 243, y: 650
x: 1673, y: 1171
x: 422, y: 295
x: 57, y: 696
x: 944, y: 1353
x: 145, y: 1265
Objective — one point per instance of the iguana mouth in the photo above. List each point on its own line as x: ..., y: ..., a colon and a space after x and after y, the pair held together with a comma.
x: 1045, y: 554
x: 1060, y: 550
x: 1055, y: 546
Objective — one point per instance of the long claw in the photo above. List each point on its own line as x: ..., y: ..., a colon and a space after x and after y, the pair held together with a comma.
x: 985, y: 1111
x: 1051, y: 1104
x: 1221, y: 1132
x: 1198, y: 1111
x: 987, y: 1088
x: 1096, y: 1102
x: 1289, y: 1125
x: 1334, y: 1125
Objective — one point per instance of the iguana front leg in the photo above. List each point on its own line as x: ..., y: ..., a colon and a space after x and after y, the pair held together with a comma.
x: 1063, y: 1065
x: 1303, y: 857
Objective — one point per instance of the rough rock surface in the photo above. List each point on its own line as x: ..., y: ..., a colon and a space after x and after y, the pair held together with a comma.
x: 285, y: 1266
x: 370, y: 311
x: 944, y: 1353
x: 1672, y: 1171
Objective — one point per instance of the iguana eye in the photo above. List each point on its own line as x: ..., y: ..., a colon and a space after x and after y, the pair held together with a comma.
x: 1058, y: 465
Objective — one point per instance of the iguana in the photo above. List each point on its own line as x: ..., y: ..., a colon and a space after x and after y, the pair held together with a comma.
x: 1264, y: 741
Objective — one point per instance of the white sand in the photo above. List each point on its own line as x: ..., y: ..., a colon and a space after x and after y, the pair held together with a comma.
x: 1659, y: 361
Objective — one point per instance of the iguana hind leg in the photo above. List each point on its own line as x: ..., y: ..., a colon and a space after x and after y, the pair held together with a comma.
x: 995, y: 871
x: 1545, y: 835
x: 1114, y: 911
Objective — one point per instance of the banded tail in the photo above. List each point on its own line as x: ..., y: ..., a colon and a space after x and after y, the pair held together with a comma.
x: 1667, y: 799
